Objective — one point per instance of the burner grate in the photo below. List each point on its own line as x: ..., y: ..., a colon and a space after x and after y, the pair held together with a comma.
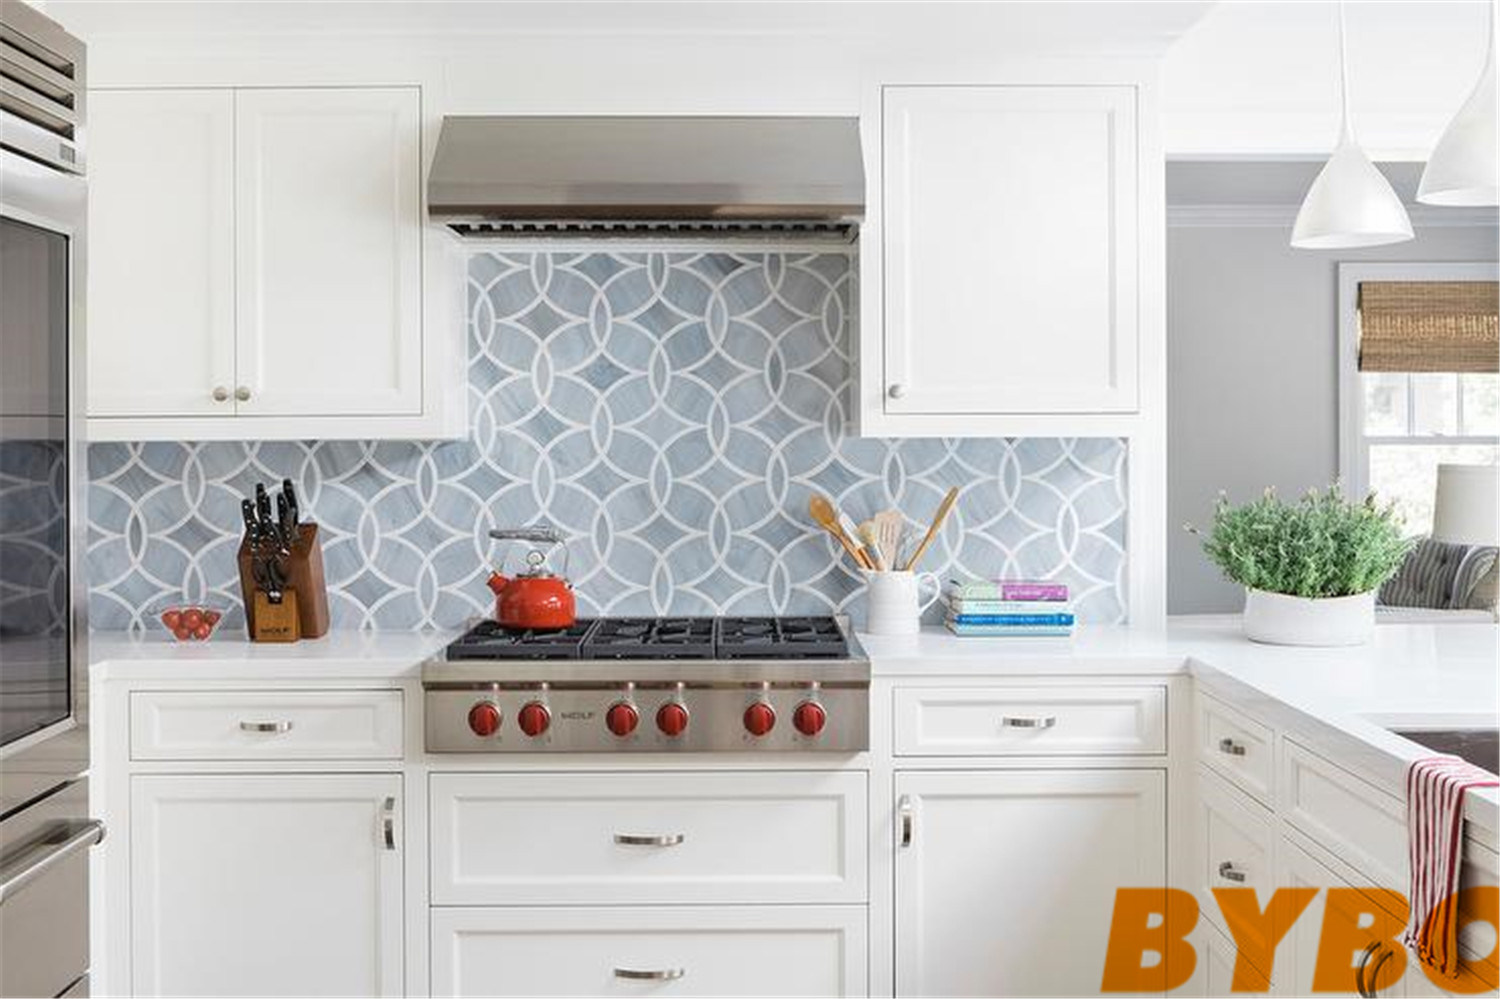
x: 783, y: 638
x: 651, y: 638
x: 487, y: 640
x: 780, y: 638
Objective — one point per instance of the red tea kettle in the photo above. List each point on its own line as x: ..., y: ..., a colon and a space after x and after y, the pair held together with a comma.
x: 534, y: 598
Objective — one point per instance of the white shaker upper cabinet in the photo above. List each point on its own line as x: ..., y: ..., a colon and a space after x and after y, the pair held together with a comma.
x: 328, y: 200
x: 161, y: 253
x: 1008, y: 218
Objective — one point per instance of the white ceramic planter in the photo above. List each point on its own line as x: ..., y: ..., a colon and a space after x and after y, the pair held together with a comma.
x: 1278, y: 619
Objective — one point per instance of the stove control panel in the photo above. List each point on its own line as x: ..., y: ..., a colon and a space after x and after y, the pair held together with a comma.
x: 668, y: 717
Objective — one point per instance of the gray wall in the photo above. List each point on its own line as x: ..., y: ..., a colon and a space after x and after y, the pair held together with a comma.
x: 1252, y: 334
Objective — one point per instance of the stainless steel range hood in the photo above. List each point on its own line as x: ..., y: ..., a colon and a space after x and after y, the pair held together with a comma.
x: 624, y: 177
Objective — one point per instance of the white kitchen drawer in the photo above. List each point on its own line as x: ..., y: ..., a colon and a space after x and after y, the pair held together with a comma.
x: 1354, y: 821
x: 755, y: 950
x: 1030, y: 721
x: 630, y: 838
x: 1238, y: 747
x: 1231, y: 830
x: 266, y: 725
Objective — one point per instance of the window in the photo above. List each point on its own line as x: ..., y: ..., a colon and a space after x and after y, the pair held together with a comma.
x: 1397, y: 426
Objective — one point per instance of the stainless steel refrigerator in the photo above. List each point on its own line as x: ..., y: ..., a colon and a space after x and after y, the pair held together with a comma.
x: 45, y: 828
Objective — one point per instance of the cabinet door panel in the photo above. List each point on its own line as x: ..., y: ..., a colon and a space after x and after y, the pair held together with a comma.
x: 1010, y: 249
x: 265, y: 885
x: 329, y: 241
x: 161, y: 252
x: 1008, y: 884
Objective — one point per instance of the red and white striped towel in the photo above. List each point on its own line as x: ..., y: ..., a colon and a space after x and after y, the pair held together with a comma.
x: 1435, y: 789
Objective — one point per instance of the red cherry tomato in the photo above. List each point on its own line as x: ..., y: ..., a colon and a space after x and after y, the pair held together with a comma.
x: 192, y: 617
x: 181, y: 633
x: 171, y: 618
x: 202, y: 631
x: 212, y: 617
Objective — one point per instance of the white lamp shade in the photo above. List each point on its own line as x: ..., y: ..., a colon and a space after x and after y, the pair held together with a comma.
x: 1350, y: 204
x: 1467, y: 506
x: 1464, y: 169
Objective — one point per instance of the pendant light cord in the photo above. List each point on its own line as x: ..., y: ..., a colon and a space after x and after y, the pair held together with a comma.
x: 1346, y: 131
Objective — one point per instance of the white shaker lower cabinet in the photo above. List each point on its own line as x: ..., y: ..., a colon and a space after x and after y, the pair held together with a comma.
x: 1005, y: 880
x: 266, y: 885
x: 689, y: 951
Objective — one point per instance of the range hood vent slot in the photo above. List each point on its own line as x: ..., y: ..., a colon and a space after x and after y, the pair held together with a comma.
x: 794, y: 230
x: 627, y: 177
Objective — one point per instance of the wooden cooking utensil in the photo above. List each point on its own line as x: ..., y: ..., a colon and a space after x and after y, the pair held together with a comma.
x: 937, y: 522
x: 821, y: 509
x: 869, y: 534
x: 889, y: 527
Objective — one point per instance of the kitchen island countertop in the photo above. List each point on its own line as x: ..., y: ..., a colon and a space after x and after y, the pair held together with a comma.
x: 1340, y: 702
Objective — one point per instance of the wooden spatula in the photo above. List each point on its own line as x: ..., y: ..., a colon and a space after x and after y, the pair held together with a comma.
x: 937, y: 522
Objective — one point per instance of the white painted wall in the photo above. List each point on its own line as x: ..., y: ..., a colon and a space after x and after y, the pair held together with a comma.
x: 1252, y: 377
x: 1261, y: 79
x: 1249, y: 78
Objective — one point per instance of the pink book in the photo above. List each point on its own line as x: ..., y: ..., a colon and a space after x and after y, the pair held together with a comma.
x: 1009, y: 589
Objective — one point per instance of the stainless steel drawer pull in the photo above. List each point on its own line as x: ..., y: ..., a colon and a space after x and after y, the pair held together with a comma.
x: 627, y: 839
x: 1228, y: 873
x: 1028, y: 721
x: 388, y: 823
x: 1231, y: 747
x: 904, y: 816
x: 26, y: 870
x: 639, y: 975
x: 275, y: 727
x: 1361, y: 985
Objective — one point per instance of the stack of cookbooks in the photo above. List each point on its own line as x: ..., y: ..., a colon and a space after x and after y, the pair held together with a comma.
x: 1009, y: 607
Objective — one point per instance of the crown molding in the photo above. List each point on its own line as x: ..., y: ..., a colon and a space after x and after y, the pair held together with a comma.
x: 1274, y: 216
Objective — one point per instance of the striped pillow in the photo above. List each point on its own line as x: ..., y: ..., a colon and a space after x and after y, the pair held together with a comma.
x: 1442, y: 575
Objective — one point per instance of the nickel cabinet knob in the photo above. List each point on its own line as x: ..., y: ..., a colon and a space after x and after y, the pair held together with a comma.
x: 221, y: 394
x: 242, y: 394
x: 896, y: 391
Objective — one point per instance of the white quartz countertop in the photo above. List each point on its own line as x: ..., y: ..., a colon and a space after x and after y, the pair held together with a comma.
x: 1341, y: 701
x: 338, y: 655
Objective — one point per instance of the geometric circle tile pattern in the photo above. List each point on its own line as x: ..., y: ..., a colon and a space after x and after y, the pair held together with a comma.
x: 671, y: 412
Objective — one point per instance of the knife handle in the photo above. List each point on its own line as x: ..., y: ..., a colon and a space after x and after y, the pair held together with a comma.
x: 252, y: 528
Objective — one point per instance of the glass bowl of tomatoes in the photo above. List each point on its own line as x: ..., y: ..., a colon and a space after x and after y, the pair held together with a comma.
x: 191, y: 622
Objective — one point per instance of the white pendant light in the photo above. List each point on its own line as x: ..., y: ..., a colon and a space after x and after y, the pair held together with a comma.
x: 1350, y: 202
x: 1464, y: 168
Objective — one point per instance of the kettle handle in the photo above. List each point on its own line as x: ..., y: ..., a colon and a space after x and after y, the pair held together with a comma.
x: 539, y: 535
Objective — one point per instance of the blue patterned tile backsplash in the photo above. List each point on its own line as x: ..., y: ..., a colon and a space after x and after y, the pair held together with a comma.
x: 671, y: 411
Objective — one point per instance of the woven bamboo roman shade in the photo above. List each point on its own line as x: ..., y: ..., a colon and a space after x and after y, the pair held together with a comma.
x: 1429, y: 326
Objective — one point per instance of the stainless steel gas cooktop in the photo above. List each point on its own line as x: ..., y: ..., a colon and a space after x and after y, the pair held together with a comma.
x: 669, y: 685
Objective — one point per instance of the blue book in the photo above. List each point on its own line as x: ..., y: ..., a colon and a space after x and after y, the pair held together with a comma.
x: 1008, y: 631
x: 1016, y: 620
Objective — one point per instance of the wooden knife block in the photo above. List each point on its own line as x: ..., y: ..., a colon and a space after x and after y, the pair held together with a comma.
x: 306, y: 592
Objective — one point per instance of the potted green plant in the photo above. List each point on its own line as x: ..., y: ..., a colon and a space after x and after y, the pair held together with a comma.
x: 1311, y: 568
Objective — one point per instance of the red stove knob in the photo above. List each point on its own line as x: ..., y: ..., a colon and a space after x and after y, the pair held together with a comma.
x: 810, y: 717
x: 622, y: 718
x: 760, y: 718
x: 672, y: 719
x: 484, y: 719
x: 533, y: 718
